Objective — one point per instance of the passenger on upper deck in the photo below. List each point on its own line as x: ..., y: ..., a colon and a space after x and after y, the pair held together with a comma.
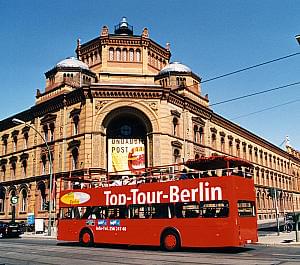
x: 183, y: 174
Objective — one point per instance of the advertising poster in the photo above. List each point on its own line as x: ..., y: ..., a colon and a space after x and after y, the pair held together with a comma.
x: 126, y: 156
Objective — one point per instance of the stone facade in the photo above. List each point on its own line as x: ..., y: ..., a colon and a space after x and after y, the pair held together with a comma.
x: 125, y: 81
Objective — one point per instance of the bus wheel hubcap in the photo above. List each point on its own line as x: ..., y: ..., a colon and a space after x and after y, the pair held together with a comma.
x: 86, y: 238
x: 170, y: 241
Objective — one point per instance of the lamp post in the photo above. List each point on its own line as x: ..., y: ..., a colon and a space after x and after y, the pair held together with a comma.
x: 18, y: 121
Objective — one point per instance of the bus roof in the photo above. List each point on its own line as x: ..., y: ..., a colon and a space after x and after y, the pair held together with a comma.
x: 216, y: 162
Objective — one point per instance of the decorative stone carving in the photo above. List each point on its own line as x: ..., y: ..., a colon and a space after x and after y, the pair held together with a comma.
x: 145, y: 33
x: 153, y: 106
x: 100, y: 104
x: 104, y: 32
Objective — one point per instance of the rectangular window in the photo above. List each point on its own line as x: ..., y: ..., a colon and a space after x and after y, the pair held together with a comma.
x: 246, y: 208
x: 213, y: 209
x: 155, y: 211
x: 187, y: 210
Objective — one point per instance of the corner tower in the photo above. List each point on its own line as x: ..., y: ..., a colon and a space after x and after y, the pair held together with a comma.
x: 123, y: 55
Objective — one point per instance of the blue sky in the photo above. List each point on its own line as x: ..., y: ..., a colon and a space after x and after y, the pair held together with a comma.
x: 211, y: 37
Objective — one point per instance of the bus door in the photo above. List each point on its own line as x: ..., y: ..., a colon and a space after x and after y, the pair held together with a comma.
x: 247, y: 222
x: 69, y: 222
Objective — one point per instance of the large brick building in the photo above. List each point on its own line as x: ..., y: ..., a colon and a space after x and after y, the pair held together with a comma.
x: 122, y: 92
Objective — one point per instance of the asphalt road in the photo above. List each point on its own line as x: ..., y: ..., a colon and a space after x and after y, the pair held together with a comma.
x: 25, y: 251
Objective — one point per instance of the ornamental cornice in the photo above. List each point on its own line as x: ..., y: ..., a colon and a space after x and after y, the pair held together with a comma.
x: 24, y: 156
x: 126, y: 94
x: 198, y: 121
x: 73, y: 144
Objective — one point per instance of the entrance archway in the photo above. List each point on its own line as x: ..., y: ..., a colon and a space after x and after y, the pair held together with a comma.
x: 127, y: 131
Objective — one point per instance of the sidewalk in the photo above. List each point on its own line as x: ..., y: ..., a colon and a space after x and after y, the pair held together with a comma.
x: 41, y: 236
x: 272, y: 238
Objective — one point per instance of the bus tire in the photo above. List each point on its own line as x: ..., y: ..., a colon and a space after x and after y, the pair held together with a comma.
x: 170, y: 240
x: 86, y: 238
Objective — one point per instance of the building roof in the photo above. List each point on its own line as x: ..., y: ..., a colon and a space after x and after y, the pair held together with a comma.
x: 175, y: 67
x: 72, y: 62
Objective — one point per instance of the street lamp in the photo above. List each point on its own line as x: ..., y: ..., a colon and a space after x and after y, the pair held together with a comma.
x: 298, y: 38
x: 18, y: 121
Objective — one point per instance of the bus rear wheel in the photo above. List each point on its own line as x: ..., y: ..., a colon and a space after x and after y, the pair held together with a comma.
x: 170, y: 241
x: 86, y: 238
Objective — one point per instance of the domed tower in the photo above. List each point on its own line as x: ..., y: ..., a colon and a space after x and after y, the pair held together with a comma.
x: 135, y: 59
x: 66, y: 75
x: 181, y: 79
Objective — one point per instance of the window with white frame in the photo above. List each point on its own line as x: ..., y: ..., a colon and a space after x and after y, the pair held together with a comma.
x: 111, y: 54
x: 138, y: 55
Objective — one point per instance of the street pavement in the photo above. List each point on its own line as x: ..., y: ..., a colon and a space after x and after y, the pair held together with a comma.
x: 272, y: 238
x: 264, y: 238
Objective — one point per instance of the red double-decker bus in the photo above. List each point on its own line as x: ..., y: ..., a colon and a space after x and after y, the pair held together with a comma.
x: 211, y: 205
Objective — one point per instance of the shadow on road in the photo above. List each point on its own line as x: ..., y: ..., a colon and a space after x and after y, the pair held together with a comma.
x: 224, y: 250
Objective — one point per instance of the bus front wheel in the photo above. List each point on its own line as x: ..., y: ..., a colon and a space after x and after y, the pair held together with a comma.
x: 170, y: 241
x: 86, y: 238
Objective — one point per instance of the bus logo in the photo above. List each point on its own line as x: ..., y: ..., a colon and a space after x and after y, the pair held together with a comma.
x: 74, y: 198
x: 114, y: 222
x: 102, y: 223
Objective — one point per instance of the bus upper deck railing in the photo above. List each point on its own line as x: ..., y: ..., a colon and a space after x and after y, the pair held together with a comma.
x: 152, y: 176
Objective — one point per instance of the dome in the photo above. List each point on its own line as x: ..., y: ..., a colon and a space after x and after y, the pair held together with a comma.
x: 72, y: 62
x: 175, y: 67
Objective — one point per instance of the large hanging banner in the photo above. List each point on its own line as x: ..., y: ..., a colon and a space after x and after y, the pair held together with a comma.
x: 126, y: 156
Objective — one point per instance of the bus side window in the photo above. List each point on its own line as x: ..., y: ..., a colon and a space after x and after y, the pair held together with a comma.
x: 87, y: 214
x: 187, y: 210
x: 162, y: 210
x: 211, y: 209
x: 139, y: 211
x: 116, y: 212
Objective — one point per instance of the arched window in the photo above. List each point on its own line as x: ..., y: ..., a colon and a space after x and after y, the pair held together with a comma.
x: 230, y: 148
x: 131, y: 55
x: 75, y: 125
x: 45, y: 130
x: 24, y: 168
x: 51, y: 126
x: 238, y: 150
x: 26, y: 136
x: 15, y: 142
x: 3, y: 172
x: 43, y: 164
x: 213, y: 140
x: 197, y: 156
x: 176, y: 156
x: 201, y: 135
x: 138, y: 55
x: 111, y: 54
x: 23, y: 200
x: 2, y: 200
x: 195, y: 133
x: 175, y: 126
x: 222, y: 144
x: 4, y: 146
x: 118, y: 54
x: 75, y: 155
x: 13, y: 170
x: 124, y: 54
x: 42, y: 197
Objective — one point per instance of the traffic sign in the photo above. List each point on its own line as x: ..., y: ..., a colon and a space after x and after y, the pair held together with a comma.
x: 14, y: 200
